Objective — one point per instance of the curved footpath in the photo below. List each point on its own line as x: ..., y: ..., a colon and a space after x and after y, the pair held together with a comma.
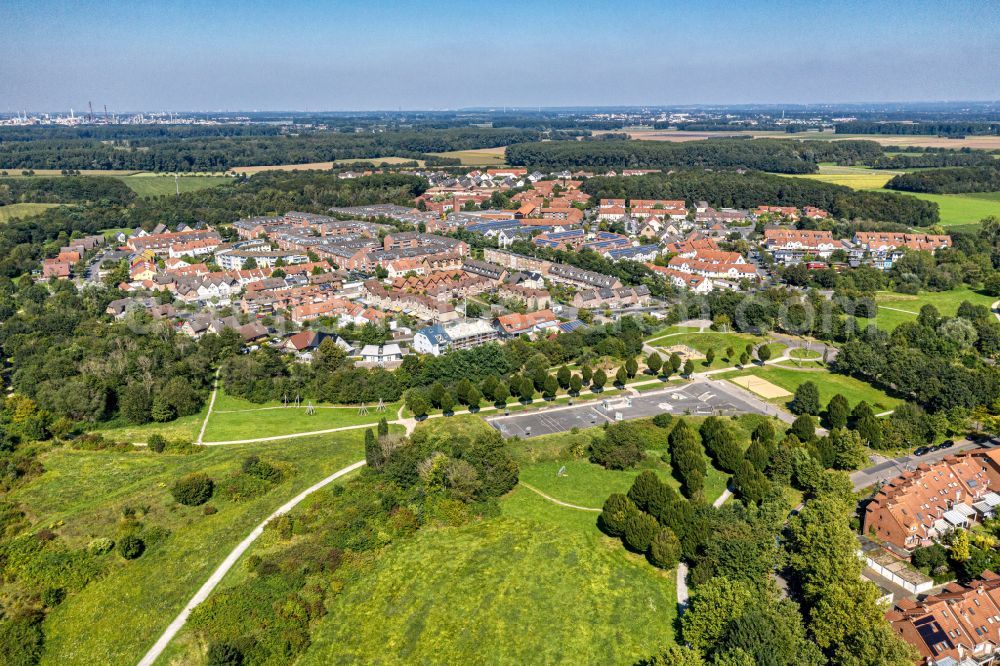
x: 227, y: 564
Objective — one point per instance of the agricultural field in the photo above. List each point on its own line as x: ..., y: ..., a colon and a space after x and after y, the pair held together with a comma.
x: 320, y: 166
x: 895, y: 309
x: 478, y: 157
x: 155, y: 185
x: 955, y: 209
x: 22, y: 210
x: 829, y: 384
x: 891, y: 140
x: 857, y: 178
x: 83, y: 495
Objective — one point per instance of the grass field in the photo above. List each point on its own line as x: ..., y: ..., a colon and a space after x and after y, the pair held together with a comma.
x: 539, y: 585
x: 154, y: 185
x: 185, y: 427
x: 955, y: 209
x: 268, y: 422
x: 962, y: 209
x: 22, y: 210
x: 710, y: 340
x: 829, y: 384
x: 116, y: 618
x: 479, y: 157
x: 895, y: 309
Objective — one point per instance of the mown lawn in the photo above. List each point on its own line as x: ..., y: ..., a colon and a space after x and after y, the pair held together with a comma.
x: 961, y: 209
x: 829, y: 384
x: 115, y: 619
x: 270, y: 422
x: 895, y: 309
x: 711, y: 340
x: 539, y: 585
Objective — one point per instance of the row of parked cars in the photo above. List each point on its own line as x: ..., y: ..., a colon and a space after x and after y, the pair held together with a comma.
x: 924, y: 450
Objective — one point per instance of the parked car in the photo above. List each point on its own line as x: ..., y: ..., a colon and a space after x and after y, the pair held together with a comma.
x: 921, y: 450
x: 946, y: 444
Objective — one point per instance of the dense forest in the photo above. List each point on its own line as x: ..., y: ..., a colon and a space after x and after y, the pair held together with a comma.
x: 779, y: 155
x: 750, y: 189
x: 954, y: 128
x: 943, y: 158
x: 183, y: 151
x: 67, y: 189
x: 949, y: 181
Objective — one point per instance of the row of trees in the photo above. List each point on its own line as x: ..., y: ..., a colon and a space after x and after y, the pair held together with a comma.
x: 778, y: 155
x: 218, y: 151
x: 950, y: 181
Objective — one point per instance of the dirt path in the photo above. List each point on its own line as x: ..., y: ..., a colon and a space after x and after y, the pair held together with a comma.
x: 231, y: 559
x: 559, y: 502
x: 211, y: 404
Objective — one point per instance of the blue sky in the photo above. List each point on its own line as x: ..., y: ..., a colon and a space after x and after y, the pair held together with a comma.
x: 313, y: 55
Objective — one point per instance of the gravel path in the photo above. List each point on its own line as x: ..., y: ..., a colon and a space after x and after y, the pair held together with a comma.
x: 227, y: 564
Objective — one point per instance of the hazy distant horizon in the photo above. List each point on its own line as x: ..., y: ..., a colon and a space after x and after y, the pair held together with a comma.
x: 315, y: 56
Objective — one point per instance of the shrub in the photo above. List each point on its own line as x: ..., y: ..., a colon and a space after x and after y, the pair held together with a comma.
x: 100, y: 546
x: 53, y: 596
x: 130, y: 547
x: 224, y: 653
x: 193, y: 489
x: 157, y: 442
x: 663, y: 420
x: 621, y: 447
x: 210, y: 510
x: 665, y: 549
x: 640, y: 528
x: 260, y: 469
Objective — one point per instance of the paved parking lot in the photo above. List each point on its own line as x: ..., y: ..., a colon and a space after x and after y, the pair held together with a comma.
x: 700, y: 398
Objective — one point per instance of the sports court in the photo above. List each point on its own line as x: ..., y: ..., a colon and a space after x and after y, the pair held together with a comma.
x: 761, y: 387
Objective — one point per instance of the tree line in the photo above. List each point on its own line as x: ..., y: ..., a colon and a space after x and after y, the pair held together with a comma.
x: 949, y: 181
x: 67, y: 190
x: 169, y: 151
x: 954, y: 128
x: 778, y: 155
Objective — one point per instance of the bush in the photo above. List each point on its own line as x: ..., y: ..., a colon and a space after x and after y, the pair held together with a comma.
x: 193, y: 489
x: 224, y: 653
x: 157, y: 442
x: 53, y: 596
x: 100, y: 546
x: 665, y: 549
x: 210, y: 510
x: 663, y: 420
x: 130, y: 547
x: 621, y: 447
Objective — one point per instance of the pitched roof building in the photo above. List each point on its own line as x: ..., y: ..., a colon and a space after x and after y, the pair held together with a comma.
x: 919, y: 506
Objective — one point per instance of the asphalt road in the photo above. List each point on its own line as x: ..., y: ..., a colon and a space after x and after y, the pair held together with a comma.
x: 887, y: 468
x: 699, y: 398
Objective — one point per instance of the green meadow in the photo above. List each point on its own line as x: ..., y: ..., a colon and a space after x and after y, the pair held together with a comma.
x: 83, y: 495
